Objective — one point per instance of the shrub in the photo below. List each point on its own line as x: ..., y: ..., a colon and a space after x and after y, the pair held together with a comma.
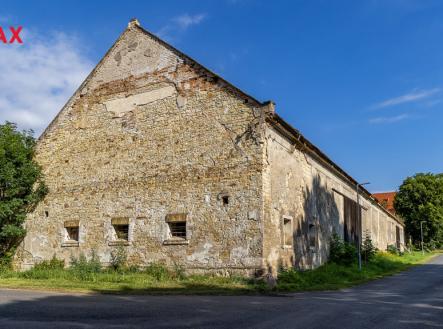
x: 52, y: 264
x: 368, y: 249
x: 179, y: 272
x: 392, y: 249
x: 85, y: 269
x: 341, y: 252
x: 432, y: 245
x: 158, y: 271
x: 45, y: 270
x: 119, y: 258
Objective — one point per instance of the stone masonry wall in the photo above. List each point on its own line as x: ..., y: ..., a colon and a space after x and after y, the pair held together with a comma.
x: 300, y: 188
x: 151, y: 135
x: 148, y: 135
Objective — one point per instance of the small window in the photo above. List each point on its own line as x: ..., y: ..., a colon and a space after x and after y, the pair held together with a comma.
x: 178, y: 229
x: 122, y: 231
x: 223, y: 198
x: 177, y: 225
x: 287, y: 231
x: 72, y: 229
x: 121, y: 228
x: 72, y: 233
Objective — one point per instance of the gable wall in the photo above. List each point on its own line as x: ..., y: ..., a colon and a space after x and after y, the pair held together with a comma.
x: 147, y: 136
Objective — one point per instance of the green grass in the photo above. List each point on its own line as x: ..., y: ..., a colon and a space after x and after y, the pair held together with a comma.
x: 332, y: 276
x: 156, y: 279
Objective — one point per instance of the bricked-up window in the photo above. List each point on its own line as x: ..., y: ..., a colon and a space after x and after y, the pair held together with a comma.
x: 72, y: 230
x: 121, y: 228
x: 287, y: 231
x: 177, y: 225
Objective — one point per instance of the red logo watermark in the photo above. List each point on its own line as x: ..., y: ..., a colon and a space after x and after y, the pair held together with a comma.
x: 15, y: 35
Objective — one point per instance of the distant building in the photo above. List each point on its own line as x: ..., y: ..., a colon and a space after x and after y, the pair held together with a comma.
x: 386, y: 199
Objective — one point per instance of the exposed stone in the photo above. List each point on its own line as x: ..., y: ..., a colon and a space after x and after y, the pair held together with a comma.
x: 153, y: 136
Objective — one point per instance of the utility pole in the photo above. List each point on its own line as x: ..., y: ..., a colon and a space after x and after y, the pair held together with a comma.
x: 359, y: 240
x: 421, y: 233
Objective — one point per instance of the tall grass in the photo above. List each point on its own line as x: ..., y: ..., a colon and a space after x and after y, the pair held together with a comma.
x: 335, y: 276
x: 87, y: 274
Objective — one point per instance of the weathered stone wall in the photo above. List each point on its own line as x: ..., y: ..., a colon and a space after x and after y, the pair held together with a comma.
x: 151, y: 133
x: 299, y: 186
x: 148, y: 135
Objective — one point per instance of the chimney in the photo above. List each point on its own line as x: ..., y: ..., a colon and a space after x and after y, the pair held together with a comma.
x: 268, y: 107
x: 133, y: 22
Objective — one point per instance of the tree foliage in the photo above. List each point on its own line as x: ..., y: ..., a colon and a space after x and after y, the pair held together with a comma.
x: 21, y: 185
x: 420, y: 199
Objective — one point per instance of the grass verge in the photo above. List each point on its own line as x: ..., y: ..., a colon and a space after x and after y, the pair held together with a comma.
x: 333, y: 276
x: 159, y: 280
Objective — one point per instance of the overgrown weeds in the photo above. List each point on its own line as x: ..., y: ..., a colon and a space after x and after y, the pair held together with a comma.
x: 341, y: 252
x: 86, y: 274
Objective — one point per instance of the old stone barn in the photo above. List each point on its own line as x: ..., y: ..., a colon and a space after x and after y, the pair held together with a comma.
x: 157, y: 154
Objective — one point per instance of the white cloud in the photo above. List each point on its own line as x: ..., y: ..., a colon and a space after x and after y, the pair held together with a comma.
x: 393, y: 119
x: 39, y: 77
x: 186, y: 20
x: 407, y: 98
x: 179, y: 25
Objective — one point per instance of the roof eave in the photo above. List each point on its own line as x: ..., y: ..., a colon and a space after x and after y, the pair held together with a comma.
x: 296, y: 137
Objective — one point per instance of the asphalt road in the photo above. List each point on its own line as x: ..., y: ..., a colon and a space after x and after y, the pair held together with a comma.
x: 413, y: 299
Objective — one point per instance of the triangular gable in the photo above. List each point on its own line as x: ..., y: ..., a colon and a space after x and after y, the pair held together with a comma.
x: 134, y: 26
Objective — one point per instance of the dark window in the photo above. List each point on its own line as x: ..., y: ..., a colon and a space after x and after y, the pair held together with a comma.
x: 46, y: 213
x: 178, y: 229
x: 351, y: 221
x: 225, y: 200
x: 72, y: 233
x: 312, y: 236
x: 121, y: 231
x: 287, y: 232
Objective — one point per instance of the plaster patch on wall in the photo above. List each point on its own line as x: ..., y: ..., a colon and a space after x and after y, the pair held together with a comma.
x: 120, y: 106
x: 203, y: 254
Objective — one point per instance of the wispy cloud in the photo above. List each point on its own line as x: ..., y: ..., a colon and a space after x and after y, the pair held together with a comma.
x: 186, y: 20
x: 392, y: 119
x: 180, y: 24
x: 413, y: 96
x: 5, y: 18
x: 40, y: 77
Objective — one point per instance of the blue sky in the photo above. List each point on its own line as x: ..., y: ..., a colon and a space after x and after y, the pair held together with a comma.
x: 363, y: 80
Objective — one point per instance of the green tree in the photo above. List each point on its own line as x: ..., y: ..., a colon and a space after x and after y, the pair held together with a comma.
x: 420, y: 199
x: 21, y: 185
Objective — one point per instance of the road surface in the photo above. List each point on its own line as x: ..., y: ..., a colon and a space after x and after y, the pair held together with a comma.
x: 412, y: 299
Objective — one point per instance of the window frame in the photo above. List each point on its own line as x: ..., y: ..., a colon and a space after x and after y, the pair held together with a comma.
x: 176, y: 219
x: 117, y: 222
x: 67, y: 240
